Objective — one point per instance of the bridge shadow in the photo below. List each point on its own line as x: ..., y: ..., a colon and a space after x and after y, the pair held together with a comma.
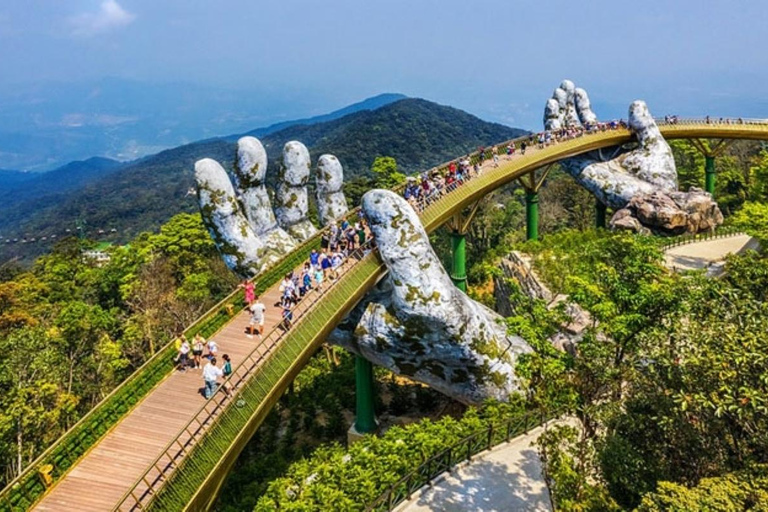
x: 683, y: 263
x: 489, y: 484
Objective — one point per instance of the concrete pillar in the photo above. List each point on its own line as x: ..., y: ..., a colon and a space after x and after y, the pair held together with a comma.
x: 709, y: 171
x: 600, y: 211
x: 364, y: 394
x: 459, y: 267
x: 532, y: 215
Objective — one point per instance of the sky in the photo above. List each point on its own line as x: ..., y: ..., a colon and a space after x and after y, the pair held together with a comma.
x: 497, y: 59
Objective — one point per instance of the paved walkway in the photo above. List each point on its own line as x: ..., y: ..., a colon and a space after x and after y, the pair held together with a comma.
x: 507, y: 478
x: 707, y: 254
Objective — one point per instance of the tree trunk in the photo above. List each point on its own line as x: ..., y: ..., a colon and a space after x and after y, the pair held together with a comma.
x: 19, y: 449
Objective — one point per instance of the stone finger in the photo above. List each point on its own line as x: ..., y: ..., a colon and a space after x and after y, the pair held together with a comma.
x: 291, y: 200
x: 329, y: 180
x: 250, y: 172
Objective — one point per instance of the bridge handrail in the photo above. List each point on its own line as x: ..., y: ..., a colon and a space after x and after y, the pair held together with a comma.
x: 689, y: 238
x: 712, y: 120
x: 461, y: 451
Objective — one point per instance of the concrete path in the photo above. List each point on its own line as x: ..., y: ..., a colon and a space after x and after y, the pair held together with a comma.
x: 707, y: 254
x: 505, y: 479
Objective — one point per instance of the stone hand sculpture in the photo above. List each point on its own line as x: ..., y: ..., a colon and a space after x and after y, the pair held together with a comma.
x: 241, y: 222
x: 419, y: 324
x: 640, y: 184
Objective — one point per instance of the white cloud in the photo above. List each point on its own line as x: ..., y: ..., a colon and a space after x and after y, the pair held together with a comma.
x: 109, y: 16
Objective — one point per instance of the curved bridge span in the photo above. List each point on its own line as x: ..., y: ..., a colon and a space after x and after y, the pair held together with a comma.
x: 182, y: 466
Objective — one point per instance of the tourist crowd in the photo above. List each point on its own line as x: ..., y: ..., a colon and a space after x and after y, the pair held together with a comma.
x: 340, y: 242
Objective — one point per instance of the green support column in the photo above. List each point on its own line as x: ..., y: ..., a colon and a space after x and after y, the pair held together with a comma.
x: 532, y: 215
x: 459, y: 268
x: 600, y: 211
x: 709, y: 170
x: 366, y: 418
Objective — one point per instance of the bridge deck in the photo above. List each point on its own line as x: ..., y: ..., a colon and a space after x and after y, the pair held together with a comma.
x: 110, y: 468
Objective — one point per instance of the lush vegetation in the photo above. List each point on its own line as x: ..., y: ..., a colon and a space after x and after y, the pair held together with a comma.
x: 670, y: 381
x: 312, y: 421
x: 72, y: 329
x: 148, y: 192
x: 337, y: 479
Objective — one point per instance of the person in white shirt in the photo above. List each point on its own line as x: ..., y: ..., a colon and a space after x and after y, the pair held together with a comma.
x: 211, y: 374
x: 213, y: 349
x: 257, y: 318
x: 184, y: 355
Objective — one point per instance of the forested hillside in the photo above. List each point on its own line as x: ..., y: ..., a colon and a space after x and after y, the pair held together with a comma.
x: 146, y: 193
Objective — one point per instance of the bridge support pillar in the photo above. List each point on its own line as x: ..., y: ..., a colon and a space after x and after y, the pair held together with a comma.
x: 710, y: 150
x: 600, y: 213
x: 531, y: 215
x: 709, y: 174
x: 365, y: 421
x: 459, y: 266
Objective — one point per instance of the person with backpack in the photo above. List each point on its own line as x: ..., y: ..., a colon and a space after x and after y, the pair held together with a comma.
x: 226, y: 369
x: 287, y: 306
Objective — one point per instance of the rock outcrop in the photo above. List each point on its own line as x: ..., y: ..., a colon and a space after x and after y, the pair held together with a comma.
x: 672, y: 212
x: 242, y: 224
x: 517, y: 270
x: 419, y: 324
x: 329, y: 180
x: 632, y: 180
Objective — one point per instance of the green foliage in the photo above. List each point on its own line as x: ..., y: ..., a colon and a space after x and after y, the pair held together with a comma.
x: 385, y: 173
x: 73, y: 330
x: 569, y: 459
x: 336, y: 479
x: 309, y: 419
x: 670, y: 382
x: 733, y: 492
x: 753, y: 218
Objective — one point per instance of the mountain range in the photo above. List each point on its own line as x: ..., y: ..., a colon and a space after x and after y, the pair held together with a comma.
x: 122, y: 200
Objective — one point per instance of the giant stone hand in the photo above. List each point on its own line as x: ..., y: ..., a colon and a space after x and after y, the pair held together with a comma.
x: 641, y: 183
x: 419, y: 324
x: 242, y: 224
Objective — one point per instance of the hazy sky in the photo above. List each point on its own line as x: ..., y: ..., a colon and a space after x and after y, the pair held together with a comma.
x: 498, y: 59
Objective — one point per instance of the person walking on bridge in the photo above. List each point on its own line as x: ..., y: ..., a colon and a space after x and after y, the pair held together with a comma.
x: 256, y: 325
x: 211, y: 374
x: 183, y: 358
x: 197, y: 350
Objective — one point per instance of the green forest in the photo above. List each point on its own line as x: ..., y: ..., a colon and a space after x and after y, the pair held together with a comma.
x: 667, y: 388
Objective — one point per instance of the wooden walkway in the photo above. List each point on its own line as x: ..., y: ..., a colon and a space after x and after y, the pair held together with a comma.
x: 99, y: 480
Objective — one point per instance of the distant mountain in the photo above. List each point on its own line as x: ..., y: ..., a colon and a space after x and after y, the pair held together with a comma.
x: 44, y: 125
x: 10, y: 178
x: 23, y: 193
x: 372, y: 103
x: 143, y: 194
